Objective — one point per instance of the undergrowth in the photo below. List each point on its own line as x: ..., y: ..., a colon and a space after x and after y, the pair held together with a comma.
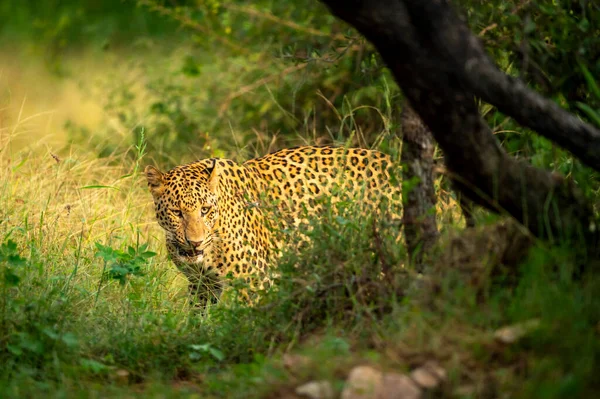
x: 91, y: 307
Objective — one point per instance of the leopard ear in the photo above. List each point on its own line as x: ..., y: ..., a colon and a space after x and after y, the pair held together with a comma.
x: 155, y: 180
x: 213, y: 178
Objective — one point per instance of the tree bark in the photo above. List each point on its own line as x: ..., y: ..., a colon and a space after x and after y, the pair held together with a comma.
x: 441, y: 67
x: 420, y: 227
x: 464, y: 55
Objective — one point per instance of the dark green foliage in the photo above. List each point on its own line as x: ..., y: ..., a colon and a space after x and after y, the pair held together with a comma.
x: 350, y: 269
x: 32, y: 329
x: 58, y: 26
x: 547, y: 41
x: 11, y: 262
x: 554, y: 47
x: 548, y: 290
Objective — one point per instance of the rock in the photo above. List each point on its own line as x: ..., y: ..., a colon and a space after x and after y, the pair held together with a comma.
x: 122, y: 376
x: 512, y: 334
x: 398, y: 386
x: 424, y: 378
x: 429, y: 376
x: 362, y: 383
x: 365, y: 382
x: 437, y: 370
x: 316, y: 390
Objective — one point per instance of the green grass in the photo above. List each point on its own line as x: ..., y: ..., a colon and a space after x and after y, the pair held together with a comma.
x: 70, y: 327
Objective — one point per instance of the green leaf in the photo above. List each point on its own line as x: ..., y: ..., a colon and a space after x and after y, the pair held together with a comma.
x: 100, y: 247
x: 205, y: 348
x: 158, y: 108
x: 190, y: 67
x: 70, y: 340
x: 92, y: 365
x: 11, y: 279
x: 16, y: 260
x: 593, y: 115
x: 147, y: 254
x: 216, y: 353
x: 591, y: 82
x: 106, y: 253
x: 50, y: 333
x: 32, y: 344
x: 199, y: 348
x: 15, y: 350
x: 584, y: 25
x: 529, y: 27
x: 10, y: 246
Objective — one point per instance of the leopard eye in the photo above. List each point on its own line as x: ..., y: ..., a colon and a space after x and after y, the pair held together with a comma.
x: 204, y: 210
x: 177, y: 212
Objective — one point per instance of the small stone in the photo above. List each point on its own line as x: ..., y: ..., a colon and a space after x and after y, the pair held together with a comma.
x: 316, y: 390
x: 363, y: 383
x: 435, y: 369
x: 424, y: 378
x: 512, y: 334
x: 429, y: 376
x: 122, y: 376
x: 398, y: 386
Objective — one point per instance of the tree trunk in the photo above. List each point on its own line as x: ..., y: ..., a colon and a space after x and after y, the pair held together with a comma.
x: 420, y: 228
x: 441, y: 67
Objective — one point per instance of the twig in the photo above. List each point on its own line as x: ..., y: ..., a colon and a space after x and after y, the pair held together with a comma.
x: 245, y: 89
x: 187, y: 21
x: 513, y: 12
x: 248, y: 88
x: 290, y: 24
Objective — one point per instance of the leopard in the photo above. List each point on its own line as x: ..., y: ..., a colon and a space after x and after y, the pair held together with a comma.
x: 222, y: 218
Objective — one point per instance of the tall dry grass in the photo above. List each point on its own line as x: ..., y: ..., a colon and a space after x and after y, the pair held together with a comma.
x: 56, y: 206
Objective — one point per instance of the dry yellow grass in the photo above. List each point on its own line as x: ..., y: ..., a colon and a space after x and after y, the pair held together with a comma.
x: 44, y: 203
x: 60, y: 205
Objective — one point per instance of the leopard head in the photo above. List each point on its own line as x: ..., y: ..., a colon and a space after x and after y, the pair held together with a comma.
x: 185, y: 200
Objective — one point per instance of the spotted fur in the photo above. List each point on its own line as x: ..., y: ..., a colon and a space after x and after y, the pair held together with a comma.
x: 218, y: 215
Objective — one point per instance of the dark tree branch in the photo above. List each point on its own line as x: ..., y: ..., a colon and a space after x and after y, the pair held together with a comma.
x: 463, y: 52
x: 441, y: 66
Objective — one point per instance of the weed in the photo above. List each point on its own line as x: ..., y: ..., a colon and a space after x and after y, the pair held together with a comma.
x: 120, y: 265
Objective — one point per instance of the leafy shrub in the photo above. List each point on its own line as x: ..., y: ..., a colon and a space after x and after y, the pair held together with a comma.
x: 350, y: 268
x: 120, y: 265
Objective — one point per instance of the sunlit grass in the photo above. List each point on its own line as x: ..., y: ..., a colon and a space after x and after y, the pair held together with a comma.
x: 56, y: 206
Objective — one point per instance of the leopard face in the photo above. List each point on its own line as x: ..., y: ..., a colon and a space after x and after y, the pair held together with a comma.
x: 187, y: 209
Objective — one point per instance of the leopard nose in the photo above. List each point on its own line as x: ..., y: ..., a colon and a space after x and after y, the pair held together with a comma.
x: 194, y: 244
